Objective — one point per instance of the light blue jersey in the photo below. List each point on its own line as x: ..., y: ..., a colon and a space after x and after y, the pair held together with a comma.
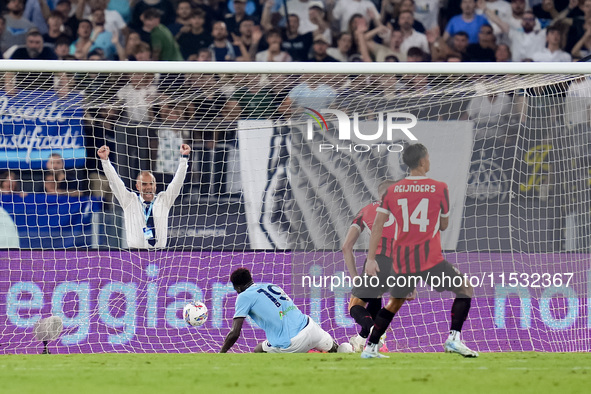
x: 273, y: 311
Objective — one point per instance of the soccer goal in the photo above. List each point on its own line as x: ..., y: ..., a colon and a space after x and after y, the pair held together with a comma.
x: 282, y: 157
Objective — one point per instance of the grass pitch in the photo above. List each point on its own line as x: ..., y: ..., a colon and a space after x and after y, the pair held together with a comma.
x: 538, y: 373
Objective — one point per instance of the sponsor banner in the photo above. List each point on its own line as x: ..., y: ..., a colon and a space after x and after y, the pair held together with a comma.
x: 35, y: 124
x: 128, y: 301
x: 45, y: 221
x: 303, y: 186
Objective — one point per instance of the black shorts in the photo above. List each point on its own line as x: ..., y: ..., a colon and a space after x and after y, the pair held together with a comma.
x: 374, y: 288
x: 440, y: 278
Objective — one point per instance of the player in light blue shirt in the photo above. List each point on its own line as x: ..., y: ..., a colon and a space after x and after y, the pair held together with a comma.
x: 288, y: 330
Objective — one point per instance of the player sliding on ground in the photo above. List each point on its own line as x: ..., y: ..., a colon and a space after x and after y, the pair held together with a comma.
x: 421, y: 208
x: 287, y: 329
x: 366, y: 299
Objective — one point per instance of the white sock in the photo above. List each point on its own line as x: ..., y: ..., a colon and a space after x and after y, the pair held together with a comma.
x: 454, y: 335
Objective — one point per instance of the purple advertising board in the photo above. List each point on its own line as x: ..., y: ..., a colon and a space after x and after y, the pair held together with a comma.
x: 126, y: 301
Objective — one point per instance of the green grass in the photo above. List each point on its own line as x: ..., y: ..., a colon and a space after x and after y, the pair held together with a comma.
x: 538, y: 373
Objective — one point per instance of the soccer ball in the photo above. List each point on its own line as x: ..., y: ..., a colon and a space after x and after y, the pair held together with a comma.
x: 195, y: 313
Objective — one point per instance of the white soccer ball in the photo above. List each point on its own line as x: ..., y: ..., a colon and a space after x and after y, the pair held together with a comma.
x: 345, y: 347
x: 195, y: 313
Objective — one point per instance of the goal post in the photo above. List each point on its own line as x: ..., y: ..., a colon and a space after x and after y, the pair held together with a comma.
x: 283, y: 156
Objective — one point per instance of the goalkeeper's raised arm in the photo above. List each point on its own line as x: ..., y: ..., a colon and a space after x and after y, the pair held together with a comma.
x: 146, y: 213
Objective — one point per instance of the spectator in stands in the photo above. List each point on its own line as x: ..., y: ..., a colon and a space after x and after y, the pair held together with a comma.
x: 138, y: 97
x: 133, y: 39
x: 415, y: 54
x: 274, y: 52
x: 59, y: 181
x: 62, y: 47
x: 468, y: 21
x: 249, y: 39
x: 110, y: 19
x: 169, y: 135
x: 103, y: 38
x: 299, y: 8
x: 411, y: 37
x: 518, y: 9
x: 503, y: 53
x: 223, y: 49
x: 34, y: 48
x: 577, y: 18
x: 193, y: 40
x: 489, y: 112
x: 205, y: 55
x: 312, y: 92
x: 256, y: 100
x: 142, y: 52
x: 345, y: 9
x: 341, y: 52
x: 359, y: 31
x: 319, y: 18
x: 85, y: 42
x: 396, y: 44
x: 17, y: 25
x: 165, y: 6
x: 501, y: 8
x: 2, y: 34
x: 10, y: 184
x: 583, y: 47
x: 553, y: 51
x: 524, y: 42
x: 121, y: 7
x: 460, y: 43
x: 184, y: 11
x: 64, y: 7
x: 370, y: 50
x: 408, y: 5
x: 441, y: 50
x: 426, y: 12
x: 38, y: 13
x: 233, y: 20
x: 297, y: 45
x: 548, y: 10
x: 164, y: 46
x: 484, y: 50
x: 56, y: 28
x: 319, y: 49
x: 146, y: 214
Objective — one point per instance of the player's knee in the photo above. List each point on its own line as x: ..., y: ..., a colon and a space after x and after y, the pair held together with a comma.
x: 465, y: 291
x: 394, y: 304
x: 356, y: 301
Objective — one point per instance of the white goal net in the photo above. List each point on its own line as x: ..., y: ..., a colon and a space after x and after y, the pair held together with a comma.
x: 280, y: 162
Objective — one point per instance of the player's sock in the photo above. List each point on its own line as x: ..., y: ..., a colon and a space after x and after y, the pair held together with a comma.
x: 363, y: 318
x: 459, y: 312
x: 381, y: 324
x: 373, y: 307
x: 453, y: 335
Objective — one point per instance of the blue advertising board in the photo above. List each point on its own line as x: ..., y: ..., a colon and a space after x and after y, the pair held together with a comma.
x: 35, y: 124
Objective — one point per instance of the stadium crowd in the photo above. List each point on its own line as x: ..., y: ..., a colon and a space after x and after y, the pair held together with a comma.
x: 297, y: 30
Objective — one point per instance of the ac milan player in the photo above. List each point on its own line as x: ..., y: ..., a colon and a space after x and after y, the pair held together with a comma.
x: 421, y: 208
x: 366, y: 299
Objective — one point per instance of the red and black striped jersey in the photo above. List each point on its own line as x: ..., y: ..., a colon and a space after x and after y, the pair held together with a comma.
x: 417, y: 203
x: 365, y: 219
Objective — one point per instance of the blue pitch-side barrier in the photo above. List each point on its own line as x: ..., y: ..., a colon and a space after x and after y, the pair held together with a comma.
x: 51, y: 221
